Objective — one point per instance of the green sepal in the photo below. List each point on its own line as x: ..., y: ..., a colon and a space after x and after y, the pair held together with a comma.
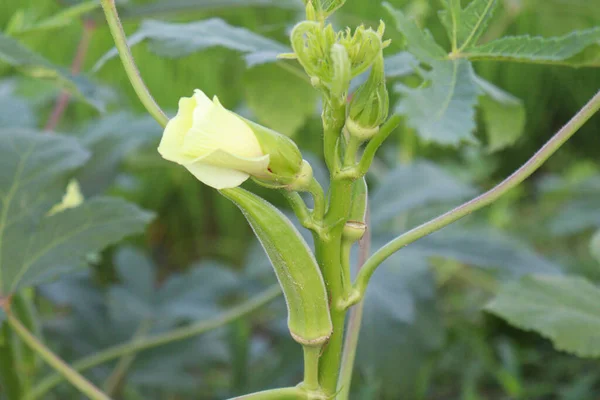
x: 309, y: 319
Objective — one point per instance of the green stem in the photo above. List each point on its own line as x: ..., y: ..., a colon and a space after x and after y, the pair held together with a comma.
x: 346, y: 273
x: 373, y: 145
x: 353, y: 329
x: 292, y: 393
x: 481, y: 201
x: 159, y: 340
x: 26, y: 359
x: 116, y: 29
x: 9, y: 377
x: 329, y: 256
x: 311, y: 367
x: 117, y: 375
x: 351, y: 149
x: 318, y: 195
x: 59, y: 365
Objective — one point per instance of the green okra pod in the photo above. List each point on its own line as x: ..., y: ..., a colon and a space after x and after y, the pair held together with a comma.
x: 297, y: 270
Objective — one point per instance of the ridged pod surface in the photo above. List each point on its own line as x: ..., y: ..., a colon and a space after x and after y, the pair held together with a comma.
x: 309, y: 320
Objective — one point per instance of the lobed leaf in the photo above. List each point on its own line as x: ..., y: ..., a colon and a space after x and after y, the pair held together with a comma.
x: 443, y: 111
x: 35, y: 247
x: 32, y: 64
x: 465, y: 26
x: 562, y: 309
x: 186, y: 6
x: 503, y: 115
x: 419, y: 41
x: 554, y: 50
x: 175, y: 40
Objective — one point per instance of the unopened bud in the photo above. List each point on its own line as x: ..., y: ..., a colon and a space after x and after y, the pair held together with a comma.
x: 370, y: 104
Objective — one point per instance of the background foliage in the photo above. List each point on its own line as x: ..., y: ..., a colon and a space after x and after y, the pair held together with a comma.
x: 425, y: 333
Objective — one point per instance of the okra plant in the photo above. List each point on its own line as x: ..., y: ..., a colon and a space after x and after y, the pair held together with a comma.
x: 223, y: 150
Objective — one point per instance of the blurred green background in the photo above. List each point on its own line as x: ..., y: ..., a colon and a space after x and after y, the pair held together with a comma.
x: 424, y: 335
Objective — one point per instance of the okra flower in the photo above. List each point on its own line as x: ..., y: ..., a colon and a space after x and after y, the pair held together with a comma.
x: 222, y: 149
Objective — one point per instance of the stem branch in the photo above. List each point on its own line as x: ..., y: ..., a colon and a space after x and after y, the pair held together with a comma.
x: 481, y: 201
x: 67, y: 372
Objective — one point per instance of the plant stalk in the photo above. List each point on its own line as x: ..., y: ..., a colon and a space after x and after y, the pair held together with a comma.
x: 116, y: 29
x: 481, y: 201
x: 82, y: 384
x: 354, y: 324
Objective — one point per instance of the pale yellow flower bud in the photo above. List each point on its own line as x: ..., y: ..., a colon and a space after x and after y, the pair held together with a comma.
x: 213, y: 143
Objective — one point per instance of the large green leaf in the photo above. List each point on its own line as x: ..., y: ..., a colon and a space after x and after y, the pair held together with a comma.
x: 503, y: 114
x: 443, y: 110
x: 419, y: 41
x: 562, y: 309
x: 279, y: 99
x: 400, y: 64
x: 401, y: 321
x: 552, y: 50
x: 178, y: 40
x: 30, y: 63
x: 419, y: 184
x: 34, y: 246
x: 110, y: 140
x: 465, y: 26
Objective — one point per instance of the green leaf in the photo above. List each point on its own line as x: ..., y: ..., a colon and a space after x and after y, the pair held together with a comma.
x: 279, y: 99
x: 186, y: 6
x: 419, y: 184
x: 595, y: 246
x: 401, y: 321
x: 503, y: 115
x: 35, y: 247
x: 465, y: 26
x: 111, y: 140
x: 400, y: 64
x: 14, y: 111
x: 485, y: 247
x: 419, y: 41
x: 560, y: 50
x: 23, y: 21
x: 443, y: 109
x: 32, y: 64
x: 562, y: 309
x: 174, y: 40
x: 581, y: 211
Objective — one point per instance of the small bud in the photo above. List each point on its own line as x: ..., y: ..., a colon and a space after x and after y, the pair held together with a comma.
x: 311, y: 13
x: 342, y: 74
x: 370, y: 104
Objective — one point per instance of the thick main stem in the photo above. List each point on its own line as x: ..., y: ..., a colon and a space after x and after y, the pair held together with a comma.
x: 481, y: 201
x: 330, y: 258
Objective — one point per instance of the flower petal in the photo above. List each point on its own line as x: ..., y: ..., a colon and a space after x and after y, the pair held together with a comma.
x: 175, y: 131
x: 220, y: 129
x: 257, y: 166
x: 217, y: 177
